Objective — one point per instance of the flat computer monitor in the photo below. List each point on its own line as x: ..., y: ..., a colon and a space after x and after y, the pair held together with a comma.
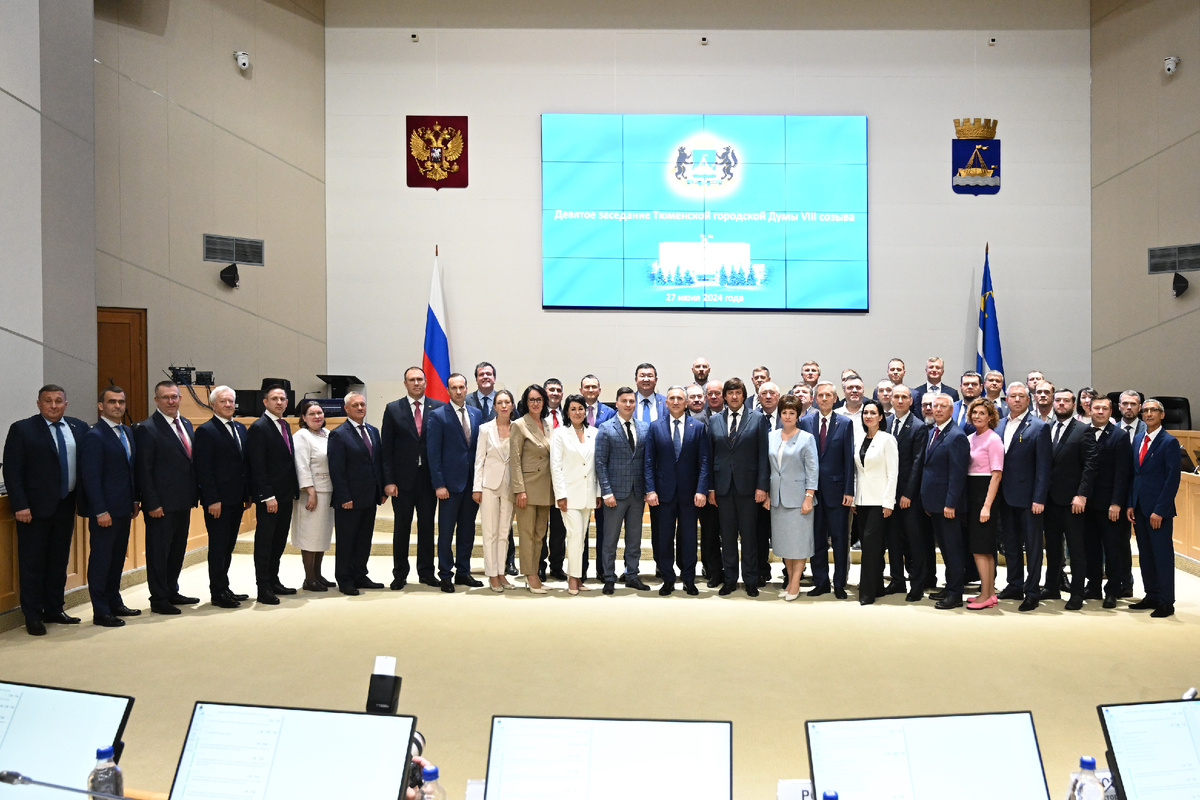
x: 554, y: 758
x: 272, y: 753
x: 1154, y: 749
x: 51, y: 734
x: 981, y: 756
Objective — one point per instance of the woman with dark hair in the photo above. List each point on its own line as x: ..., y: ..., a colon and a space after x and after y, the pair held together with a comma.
x: 573, y: 473
x: 1083, y: 407
x: 312, y: 519
x: 492, y: 488
x: 983, y: 482
x: 533, y: 494
x: 794, y: 472
x: 876, y: 470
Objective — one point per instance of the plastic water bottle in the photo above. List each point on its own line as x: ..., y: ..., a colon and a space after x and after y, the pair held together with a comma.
x: 1087, y: 785
x: 432, y: 790
x: 106, y: 777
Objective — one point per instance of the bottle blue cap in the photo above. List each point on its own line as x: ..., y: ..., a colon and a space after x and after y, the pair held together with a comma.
x: 829, y: 796
x: 103, y: 753
x: 1087, y: 762
x: 429, y: 773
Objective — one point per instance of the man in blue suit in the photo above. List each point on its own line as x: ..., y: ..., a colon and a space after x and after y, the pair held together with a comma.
x: 651, y: 406
x: 1024, y: 489
x: 597, y: 414
x: 222, y: 472
x: 620, y: 470
x: 971, y: 384
x: 835, y: 491
x: 943, y: 495
x: 107, y: 454
x: 1105, y: 526
x: 483, y: 397
x: 1156, y: 457
x: 356, y: 472
x: 452, y: 435
x: 41, y: 473
x: 677, y: 481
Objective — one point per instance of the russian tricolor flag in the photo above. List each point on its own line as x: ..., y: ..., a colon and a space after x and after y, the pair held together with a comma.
x: 436, y: 361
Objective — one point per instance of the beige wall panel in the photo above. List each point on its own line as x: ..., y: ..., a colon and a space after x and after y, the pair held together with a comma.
x: 235, y: 28
x: 228, y: 339
x: 108, y: 158
x: 143, y: 289
x: 291, y: 87
x: 66, y: 65
x: 108, y: 280
x: 291, y: 220
x: 144, y: 178
x: 1178, y: 198
x: 279, y: 353
x: 192, y: 196
x: 191, y: 58
x: 106, y: 33
x: 236, y: 198
x: 1150, y: 362
x: 1106, y: 68
x: 1111, y: 277
x: 141, y: 43
x: 1178, y: 34
x: 385, y: 50
x: 1140, y: 66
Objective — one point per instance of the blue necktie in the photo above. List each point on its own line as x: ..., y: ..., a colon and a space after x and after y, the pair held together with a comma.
x: 646, y: 411
x: 677, y: 439
x: 63, y: 472
x: 125, y: 443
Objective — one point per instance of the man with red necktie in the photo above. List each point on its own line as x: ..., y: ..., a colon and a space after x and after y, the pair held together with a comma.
x: 1156, y: 456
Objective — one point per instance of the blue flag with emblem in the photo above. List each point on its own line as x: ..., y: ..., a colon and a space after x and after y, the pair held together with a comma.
x: 988, y: 350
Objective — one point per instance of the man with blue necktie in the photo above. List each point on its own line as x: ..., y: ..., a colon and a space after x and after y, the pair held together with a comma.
x: 453, y: 434
x: 483, y: 397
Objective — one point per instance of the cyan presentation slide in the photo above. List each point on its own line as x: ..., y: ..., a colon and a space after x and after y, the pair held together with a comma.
x: 661, y: 211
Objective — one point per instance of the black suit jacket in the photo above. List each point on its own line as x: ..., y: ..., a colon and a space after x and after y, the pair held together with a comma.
x: 165, y: 474
x: 403, y: 447
x: 356, y: 474
x: 740, y: 465
x: 1114, y: 468
x: 910, y: 442
x: 221, y: 468
x: 32, y: 475
x: 474, y: 402
x: 106, y: 473
x: 272, y: 465
x: 1072, y: 463
x: 920, y: 389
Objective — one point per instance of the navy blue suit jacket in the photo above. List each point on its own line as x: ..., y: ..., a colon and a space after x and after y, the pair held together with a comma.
x: 919, y: 390
x: 474, y: 401
x: 944, y: 475
x: 837, y: 462
x: 686, y: 475
x: 108, y: 476
x: 356, y: 473
x: 966, y: 425
x: 221, y: 468
x: 742, y: 465
x: 603, y: 414
x: 1114, y: 469
x: 32, y: 474
x: 451, y: 456
x: 1026, y: 462
x: 660, y: 402
x: 1156, y: 479
x: 165, y: 474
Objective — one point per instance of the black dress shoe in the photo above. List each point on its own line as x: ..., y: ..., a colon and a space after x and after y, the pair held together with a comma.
x: 752, y: 590
x: 367, y: 583
x: 1125, y: 593
x: 727, y: 589
x: 225, y: 601
x: 279, y: 588
x: 949, y: 602
x: 350, y: 590
x: 914, y: 597
x: 1074, y: 604
x: 511, y: 569
x: 241, y: 597
x: 840, y: 594
x: 328, y: 583
x: 314, y: 586
x: 690, y: 589
x: 1011, y: 593
x: 1028, y: 604
x: 1091, y: 593
x: 1110, y: 602
x: 866, y: 601
x: 610, y: 587
x: 447, y: 586
x: 126, y: 611
x: 107, y: 621
x: 1051, y: 594
x: 1144, y: 604
x: 817, y: 591
x: 634, y: 582
x: 470, y: 580
x: 542, y: 575
x: 1165, y: 610
x: 183, y: 600
x: 35, y: 627
x: 397, y: 584
x: 267, y: 597
x: 714, y: 582
x: 896, y: 587
x: 558, y: 575
x: 164, y: 608
x: 429, y: 580
x: 61, y: 618
x: 666, y: 589
x: 940, y: 594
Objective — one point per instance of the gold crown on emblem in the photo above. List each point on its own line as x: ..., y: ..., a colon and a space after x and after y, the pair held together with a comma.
x: 977, y: 128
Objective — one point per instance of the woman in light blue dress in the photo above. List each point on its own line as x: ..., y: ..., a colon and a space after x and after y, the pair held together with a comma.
x: 794, y: 472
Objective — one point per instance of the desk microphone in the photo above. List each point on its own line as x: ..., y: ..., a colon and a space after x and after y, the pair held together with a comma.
x: 16, y: 779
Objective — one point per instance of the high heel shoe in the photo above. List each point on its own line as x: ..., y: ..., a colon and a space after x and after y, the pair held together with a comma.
x: 572, y: 592
x: 536, y: 589
x: 497, y: 589
x: 790, y: 597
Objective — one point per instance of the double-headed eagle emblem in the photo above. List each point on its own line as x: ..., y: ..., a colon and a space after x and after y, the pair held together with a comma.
x: 435, y: 150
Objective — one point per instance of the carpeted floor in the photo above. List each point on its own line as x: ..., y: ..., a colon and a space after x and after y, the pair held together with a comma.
x: 762, y: 663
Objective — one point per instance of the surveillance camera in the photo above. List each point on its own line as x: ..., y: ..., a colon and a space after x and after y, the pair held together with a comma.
x: 415, y: 38
x: 1170, y: 64
x: 243, y: 60
x: 703, y: 40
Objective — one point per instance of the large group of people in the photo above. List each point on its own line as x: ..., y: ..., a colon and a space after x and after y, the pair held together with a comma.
x: 729, y: 473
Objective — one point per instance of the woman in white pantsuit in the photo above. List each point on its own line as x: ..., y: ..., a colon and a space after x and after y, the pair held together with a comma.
x: 492, y: 490
x: 576, y: 490
x: 312, y: 518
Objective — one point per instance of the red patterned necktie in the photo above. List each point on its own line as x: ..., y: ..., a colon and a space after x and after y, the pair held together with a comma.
x: 187, y: 447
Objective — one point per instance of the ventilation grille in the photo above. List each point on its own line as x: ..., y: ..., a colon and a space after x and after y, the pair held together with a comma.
x: 1182, y: 258
x: 232, y: 250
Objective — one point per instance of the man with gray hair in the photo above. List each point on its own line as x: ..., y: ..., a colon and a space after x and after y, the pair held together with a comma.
x: 222, y: 473
x: 356, y: 472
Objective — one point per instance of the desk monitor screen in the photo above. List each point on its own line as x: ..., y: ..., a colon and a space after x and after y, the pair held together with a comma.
x: 269, y: 753
x: 915, y: 758
x: 552, y: 758
x: 1155, y: 749
x: 52, y: 735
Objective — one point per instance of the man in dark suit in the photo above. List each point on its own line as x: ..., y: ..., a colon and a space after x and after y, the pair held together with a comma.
x: 1130, y: 421
x: 273, y: 488
x: 1156, y: 455
x: 1023, y: 490
x: 222, y: 473
x: 934, y: 369
x: 483, y: 397
x: 406, y: 478
x: 41, y: 471
x: 166, y: 478
x: 1072, y: 470
x: 650, y: 406
x: 1104, y: 524
x: 697, y: 407
x: 741, y: 480
x: 835, y: 491
x: 907, y: 531
x: 620, y: 471
x: 993, y: 389
x: 356, y: 472
x: 768, y: 406
x: 944, y: 497
x: 710, y: 516
x: 758, y: 376
x: 677, y: 481
x: 107, y: 454
x: 453, y: 433
x: 971, y: 384
x: 597, y: 414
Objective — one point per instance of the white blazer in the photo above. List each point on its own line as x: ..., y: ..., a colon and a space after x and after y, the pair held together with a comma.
x: 491, y: 461
x: 573, y: 466
x: 875, y: 481
x: 311, y: 453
